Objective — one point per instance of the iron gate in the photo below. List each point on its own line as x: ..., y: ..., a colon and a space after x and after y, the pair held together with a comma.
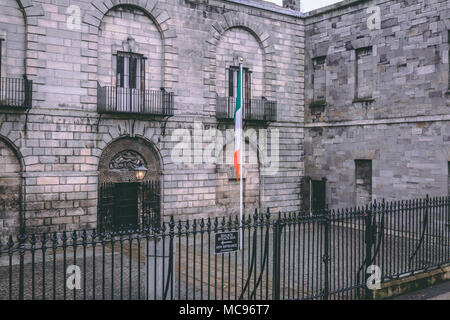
x: 128, y: 205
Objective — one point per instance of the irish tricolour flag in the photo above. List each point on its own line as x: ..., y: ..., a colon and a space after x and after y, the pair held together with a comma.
x: 238, y: 125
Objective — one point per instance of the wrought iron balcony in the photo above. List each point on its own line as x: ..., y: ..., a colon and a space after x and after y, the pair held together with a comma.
x: 256, y: 110
x: 16, y: 93
x: 136, y: 101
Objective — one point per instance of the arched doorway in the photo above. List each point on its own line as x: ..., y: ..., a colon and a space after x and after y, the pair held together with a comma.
x: 124, y: 201
x: 11, y: 219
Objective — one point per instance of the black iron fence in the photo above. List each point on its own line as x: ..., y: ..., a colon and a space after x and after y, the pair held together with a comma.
x: 138, y: 101
x: 254, y: 109
x: 325, y: 255
x: 16, y: 92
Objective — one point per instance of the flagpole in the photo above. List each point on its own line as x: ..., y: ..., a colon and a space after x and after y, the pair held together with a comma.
x: 241, y: 185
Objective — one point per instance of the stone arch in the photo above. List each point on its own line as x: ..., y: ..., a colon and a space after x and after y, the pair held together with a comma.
x: 133, y: 150
x: 11, y: 189
x: 229, y: 21
x: 159, y: 17
x: 123, y: 199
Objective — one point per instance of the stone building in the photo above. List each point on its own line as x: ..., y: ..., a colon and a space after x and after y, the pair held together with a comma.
x: 91, y: 91
x: 351, y: 99
x: 377, y: 101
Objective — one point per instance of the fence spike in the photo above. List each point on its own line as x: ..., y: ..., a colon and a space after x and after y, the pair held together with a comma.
x: 22, y: 237
x: 236, y: 223
x: 93, y: 235
x: 216, y: 224
x: 255, y: 218
x: 44, y: 241
x: 202, y: 224
x: 187, y: 225
x: 172, y: 224
x: 179, y: 227
x: 261, y: 216
x: 208, y: 224
x: 223, y: 223
x: 10, y: 243
x: 64, y: 238
x: 74, y: 237
x: 54, y: 239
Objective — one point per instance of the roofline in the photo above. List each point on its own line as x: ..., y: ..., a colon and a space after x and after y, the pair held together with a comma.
x: 269, y: 7
x: 333, y: 7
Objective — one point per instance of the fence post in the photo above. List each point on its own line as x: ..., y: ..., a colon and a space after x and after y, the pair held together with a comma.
x: 369, y: 244
x: 326, y: 256
x: 276, y: 258
x: 160, y: 266
x: 21, y: 239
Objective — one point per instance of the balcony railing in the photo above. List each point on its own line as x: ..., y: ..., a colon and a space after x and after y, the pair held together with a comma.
x: 136, y: 101
x: 16, y: 93
x: 258, y: 110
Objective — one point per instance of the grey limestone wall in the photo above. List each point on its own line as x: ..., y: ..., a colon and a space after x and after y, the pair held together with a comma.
x: 61, y: 139
x: 386, y: 97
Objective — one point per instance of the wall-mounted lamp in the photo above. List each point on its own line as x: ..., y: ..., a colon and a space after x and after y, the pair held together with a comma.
x: 141, y: 172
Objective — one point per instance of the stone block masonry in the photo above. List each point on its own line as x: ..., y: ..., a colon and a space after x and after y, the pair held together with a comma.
x: 345, y: 90
x: 386, y: 98
x: 53, y: 151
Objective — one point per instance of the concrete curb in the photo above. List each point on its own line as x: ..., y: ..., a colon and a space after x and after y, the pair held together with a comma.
x: 412, y: 283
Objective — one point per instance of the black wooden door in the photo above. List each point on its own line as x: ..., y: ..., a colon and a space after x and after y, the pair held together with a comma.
x: 126, y: 205
x: 318, y: 195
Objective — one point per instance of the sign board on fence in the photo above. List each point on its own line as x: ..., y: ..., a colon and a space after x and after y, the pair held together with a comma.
x: 226, y: 242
